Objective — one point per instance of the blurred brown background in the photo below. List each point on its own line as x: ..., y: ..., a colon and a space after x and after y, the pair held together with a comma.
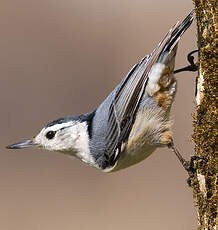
x: 64, y: 57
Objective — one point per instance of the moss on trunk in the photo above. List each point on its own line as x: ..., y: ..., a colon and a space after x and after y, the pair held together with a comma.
x: 204, y: 182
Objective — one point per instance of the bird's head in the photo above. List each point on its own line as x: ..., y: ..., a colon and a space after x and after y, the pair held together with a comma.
x: 66, y: 135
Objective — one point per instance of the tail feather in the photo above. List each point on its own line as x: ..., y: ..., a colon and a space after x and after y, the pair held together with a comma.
x: 174, y: 35
x: 164, y: 63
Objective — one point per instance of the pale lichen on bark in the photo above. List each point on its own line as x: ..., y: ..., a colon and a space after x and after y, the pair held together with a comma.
x: 204, y: 182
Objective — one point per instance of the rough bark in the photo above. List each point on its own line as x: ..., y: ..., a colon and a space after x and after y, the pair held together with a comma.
x: 204, y: 182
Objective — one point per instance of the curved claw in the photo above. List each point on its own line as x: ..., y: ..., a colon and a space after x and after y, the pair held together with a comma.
x: 192, y: 67
x: 191, y: 169
x: 189, y: 166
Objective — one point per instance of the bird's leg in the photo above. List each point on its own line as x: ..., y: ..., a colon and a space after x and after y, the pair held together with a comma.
x: 185, y: 163
x: 192, y: 67
x: 189, y: 166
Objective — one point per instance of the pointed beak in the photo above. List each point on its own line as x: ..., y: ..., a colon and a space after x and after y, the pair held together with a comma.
x: 21, y: 145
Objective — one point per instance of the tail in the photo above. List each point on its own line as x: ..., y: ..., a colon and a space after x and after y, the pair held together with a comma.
x: 171, y: 39
x: 161, y: 76
x: 165, y: 51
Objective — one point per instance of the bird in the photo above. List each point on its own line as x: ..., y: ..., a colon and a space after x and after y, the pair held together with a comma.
x: 131, y: 123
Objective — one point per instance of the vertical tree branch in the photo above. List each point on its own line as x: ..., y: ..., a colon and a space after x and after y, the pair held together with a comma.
x: 204, y: 182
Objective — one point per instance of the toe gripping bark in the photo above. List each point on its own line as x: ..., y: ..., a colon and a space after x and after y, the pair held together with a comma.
x: 192, y: 67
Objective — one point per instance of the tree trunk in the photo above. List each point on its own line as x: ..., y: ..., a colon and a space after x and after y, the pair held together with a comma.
x: 205, y: 120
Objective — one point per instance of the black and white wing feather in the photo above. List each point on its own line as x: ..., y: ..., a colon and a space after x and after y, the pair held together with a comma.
x: 124, y: 106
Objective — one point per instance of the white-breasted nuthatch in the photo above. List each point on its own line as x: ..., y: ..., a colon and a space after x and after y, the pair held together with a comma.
x: 131, y: 122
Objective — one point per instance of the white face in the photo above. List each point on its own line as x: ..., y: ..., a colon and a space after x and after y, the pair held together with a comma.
x: 61, y: 137
x: 70, y: 138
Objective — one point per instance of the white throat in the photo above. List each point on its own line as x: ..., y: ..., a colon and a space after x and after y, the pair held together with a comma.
x: 81, y: 145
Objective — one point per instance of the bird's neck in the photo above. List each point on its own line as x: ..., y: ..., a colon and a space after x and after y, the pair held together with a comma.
x: 82, y: 145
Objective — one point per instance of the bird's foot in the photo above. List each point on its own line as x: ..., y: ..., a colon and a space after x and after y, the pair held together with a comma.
x: 189, y: 166
x: 192, y: 67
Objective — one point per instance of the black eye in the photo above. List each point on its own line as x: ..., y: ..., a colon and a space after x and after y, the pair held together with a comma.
x: 50, y: 134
